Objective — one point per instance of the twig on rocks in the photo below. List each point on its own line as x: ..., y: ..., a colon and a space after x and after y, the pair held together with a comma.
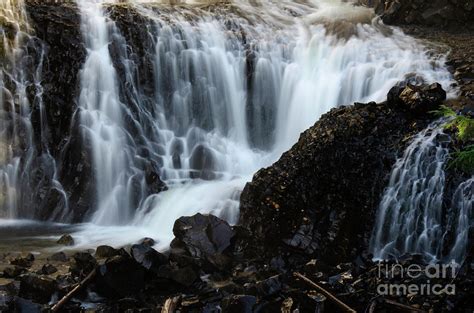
x: 57, y: 307
x: 329, y: 295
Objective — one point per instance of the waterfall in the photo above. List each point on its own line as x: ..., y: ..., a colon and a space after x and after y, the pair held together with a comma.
x: 229, y: 95
x: 411, y: 217
x: 24, y: 155
x: 461, y: 220
x: 209, y: 95
x: 102, y: 123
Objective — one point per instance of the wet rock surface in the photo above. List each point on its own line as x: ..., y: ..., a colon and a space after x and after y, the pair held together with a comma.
x: 133, y: 281
x: 202, y: 238
x: 442, y: 13
x: 318, y: 200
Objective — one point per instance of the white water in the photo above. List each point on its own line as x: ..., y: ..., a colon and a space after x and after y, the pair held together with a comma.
x: 207, y: 126
x: 462, y: 222
x: 411, y: 217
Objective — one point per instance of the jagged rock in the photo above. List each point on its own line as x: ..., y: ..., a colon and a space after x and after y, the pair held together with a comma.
x: 120, y: 276
x: 202, y: 239
x: 417, y: 99
x: 319, y: 199
x: 66, y: 240
x: 106, y: 252
x: 148, y: 257
x: 37, y: 288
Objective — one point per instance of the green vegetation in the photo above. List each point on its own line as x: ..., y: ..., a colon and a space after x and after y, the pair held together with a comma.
x: 464, y: 160
x: 463, y: 127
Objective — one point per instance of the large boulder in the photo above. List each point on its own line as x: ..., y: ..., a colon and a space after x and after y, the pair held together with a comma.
x: 37, y: 287
x: 202, y: 240
x: 320, y: 198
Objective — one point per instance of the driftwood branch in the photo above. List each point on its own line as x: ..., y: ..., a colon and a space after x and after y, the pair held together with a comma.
x: 57, y: 307
x: 329, y: 295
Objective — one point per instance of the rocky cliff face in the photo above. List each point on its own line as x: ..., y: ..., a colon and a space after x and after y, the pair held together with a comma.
x: 320, y: 198
x: 444, y: 13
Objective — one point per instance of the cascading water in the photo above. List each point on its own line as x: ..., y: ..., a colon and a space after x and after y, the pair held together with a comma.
x: 24, y: 154
x: 231, y: 94
x: 102, y: 120
x: 461, y: 220
x: 230, y: 89
x: 411, y: 217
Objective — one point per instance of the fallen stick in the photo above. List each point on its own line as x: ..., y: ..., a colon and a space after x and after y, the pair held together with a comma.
x: 71, y: 293
x: 403, y: 306
x: 329, y: 295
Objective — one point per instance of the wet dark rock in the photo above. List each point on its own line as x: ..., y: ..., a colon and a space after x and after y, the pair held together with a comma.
x: 58, y: 28
x: 203, y: 162
x: 48, y: 269
x: 36, y: 287
x: 148, y: 242
x: 58, y: 257
x: 66, y: 240
x: 148, y: 257
x: 417, y: 99
x: 202, y: 238
x: 450, y: 14
x: 84, y: 263
x: 318, y: 201
x: 106, y: 252
x: 120, y: 276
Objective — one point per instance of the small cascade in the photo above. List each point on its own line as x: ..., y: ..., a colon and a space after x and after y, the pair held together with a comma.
x: 461, y: 221
x: 412, y: 217
x: 102, y: 120
x: 26, y: 165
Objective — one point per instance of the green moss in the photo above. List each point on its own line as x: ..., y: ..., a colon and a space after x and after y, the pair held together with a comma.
x: 462, y: 125
x: 464, y: 160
